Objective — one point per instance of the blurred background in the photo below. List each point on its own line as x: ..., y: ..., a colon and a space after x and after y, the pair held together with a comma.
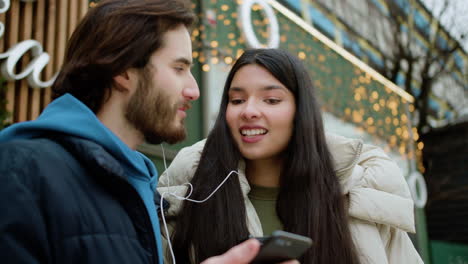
x: 391, y: 72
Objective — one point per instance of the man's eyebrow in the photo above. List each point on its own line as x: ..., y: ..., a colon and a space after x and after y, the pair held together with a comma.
x: 184, y: 61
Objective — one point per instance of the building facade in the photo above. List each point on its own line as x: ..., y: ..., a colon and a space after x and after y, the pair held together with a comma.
x: 391, y: 34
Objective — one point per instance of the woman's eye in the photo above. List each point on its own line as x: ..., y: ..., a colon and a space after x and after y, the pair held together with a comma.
x: 236, y: 101
x: 272, y: 101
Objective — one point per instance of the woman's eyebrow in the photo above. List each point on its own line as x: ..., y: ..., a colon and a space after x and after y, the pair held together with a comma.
x: 266, y: 88
x: 272, y: 87
x: 236, y: 89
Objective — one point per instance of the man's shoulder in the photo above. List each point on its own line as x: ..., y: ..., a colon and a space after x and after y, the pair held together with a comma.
x: 23, y: 157
x: 27, y: 148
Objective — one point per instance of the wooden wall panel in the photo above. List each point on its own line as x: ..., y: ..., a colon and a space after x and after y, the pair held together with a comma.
x: 39, y: 35
x: 51, y: 23
x: 26, y: 28
x: 2, y: 40
x: 11, y: 38
x: 62, y: 21
x: 50, y: 47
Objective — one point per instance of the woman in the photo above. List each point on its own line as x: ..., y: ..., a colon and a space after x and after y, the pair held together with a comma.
x: 350, y: 198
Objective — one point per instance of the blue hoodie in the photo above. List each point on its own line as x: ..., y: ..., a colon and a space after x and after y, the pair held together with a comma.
x: 70, y: 116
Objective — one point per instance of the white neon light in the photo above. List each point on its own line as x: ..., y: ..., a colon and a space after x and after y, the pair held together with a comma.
x: 33, y: 70
x: 245, y: 14
x: 418, y: 189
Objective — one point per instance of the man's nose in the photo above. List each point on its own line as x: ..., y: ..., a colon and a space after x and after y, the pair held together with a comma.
x: 191, y: 92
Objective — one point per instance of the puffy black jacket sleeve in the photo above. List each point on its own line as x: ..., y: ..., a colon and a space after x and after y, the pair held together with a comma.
x: 23, y: 236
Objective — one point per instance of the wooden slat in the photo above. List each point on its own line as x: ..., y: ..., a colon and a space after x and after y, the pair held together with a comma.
x: 2, y: 47
x: 39, y: 36
x: 83, y: 8
x: 2, y: 40
x: 62, y: 26
x: 61, y: 23
x: 73, y: 17
x: 11, y: 32
x: 50, y: 47
x: 26, y: 33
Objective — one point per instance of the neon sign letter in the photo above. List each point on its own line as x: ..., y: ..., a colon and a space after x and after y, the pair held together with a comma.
x: 33, y: 70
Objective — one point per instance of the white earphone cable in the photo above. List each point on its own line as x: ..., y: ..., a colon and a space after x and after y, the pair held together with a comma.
x: 182, y: 199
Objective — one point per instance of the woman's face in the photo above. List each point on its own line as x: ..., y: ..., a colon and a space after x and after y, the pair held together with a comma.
x: 260, y: 113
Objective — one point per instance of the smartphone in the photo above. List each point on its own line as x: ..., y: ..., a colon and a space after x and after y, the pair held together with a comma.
x: 281, y: 246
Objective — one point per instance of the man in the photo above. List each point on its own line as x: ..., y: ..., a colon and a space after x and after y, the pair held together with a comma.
x: 72, y: 187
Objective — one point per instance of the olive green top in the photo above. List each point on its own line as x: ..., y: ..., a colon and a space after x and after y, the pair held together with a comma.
x: 264, y: 202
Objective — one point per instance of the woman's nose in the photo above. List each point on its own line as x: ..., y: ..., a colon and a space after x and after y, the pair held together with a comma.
x: 251, y: 110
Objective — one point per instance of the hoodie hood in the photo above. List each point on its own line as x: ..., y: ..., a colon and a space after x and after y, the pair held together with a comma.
x: 68, y: 115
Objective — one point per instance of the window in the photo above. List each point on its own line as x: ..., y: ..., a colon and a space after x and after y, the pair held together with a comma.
x: 322, y: 22
x: 346, y: 41
x: 400, y: 79
x: 459, y: 61
x: 294, y: 5
x: 416, y: 91
x: 421, y: 24
x: 403, y: 5
x: 434, y: 105
x: 442, y: 43
x: 357, y: 49
x: 380, y: 6
x: 375, y: 59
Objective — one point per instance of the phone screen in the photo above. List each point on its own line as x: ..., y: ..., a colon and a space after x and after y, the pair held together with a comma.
x: 281, y: 246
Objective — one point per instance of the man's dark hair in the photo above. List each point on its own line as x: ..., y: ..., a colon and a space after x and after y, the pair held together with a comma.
x: 114, y: 36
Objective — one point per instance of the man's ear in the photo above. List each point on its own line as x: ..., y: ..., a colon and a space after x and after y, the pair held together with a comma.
x: 125, y: 81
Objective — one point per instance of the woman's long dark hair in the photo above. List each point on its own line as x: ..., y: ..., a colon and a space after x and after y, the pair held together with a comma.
x: 310, y: 201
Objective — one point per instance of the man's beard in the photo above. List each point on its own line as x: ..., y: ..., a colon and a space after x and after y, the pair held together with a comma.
x: 150, y: 112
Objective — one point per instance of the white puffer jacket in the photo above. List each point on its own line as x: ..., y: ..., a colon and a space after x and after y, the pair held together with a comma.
x: 380, y: 203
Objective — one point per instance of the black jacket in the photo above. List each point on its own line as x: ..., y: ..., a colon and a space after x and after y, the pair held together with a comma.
x: 66, y: 200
